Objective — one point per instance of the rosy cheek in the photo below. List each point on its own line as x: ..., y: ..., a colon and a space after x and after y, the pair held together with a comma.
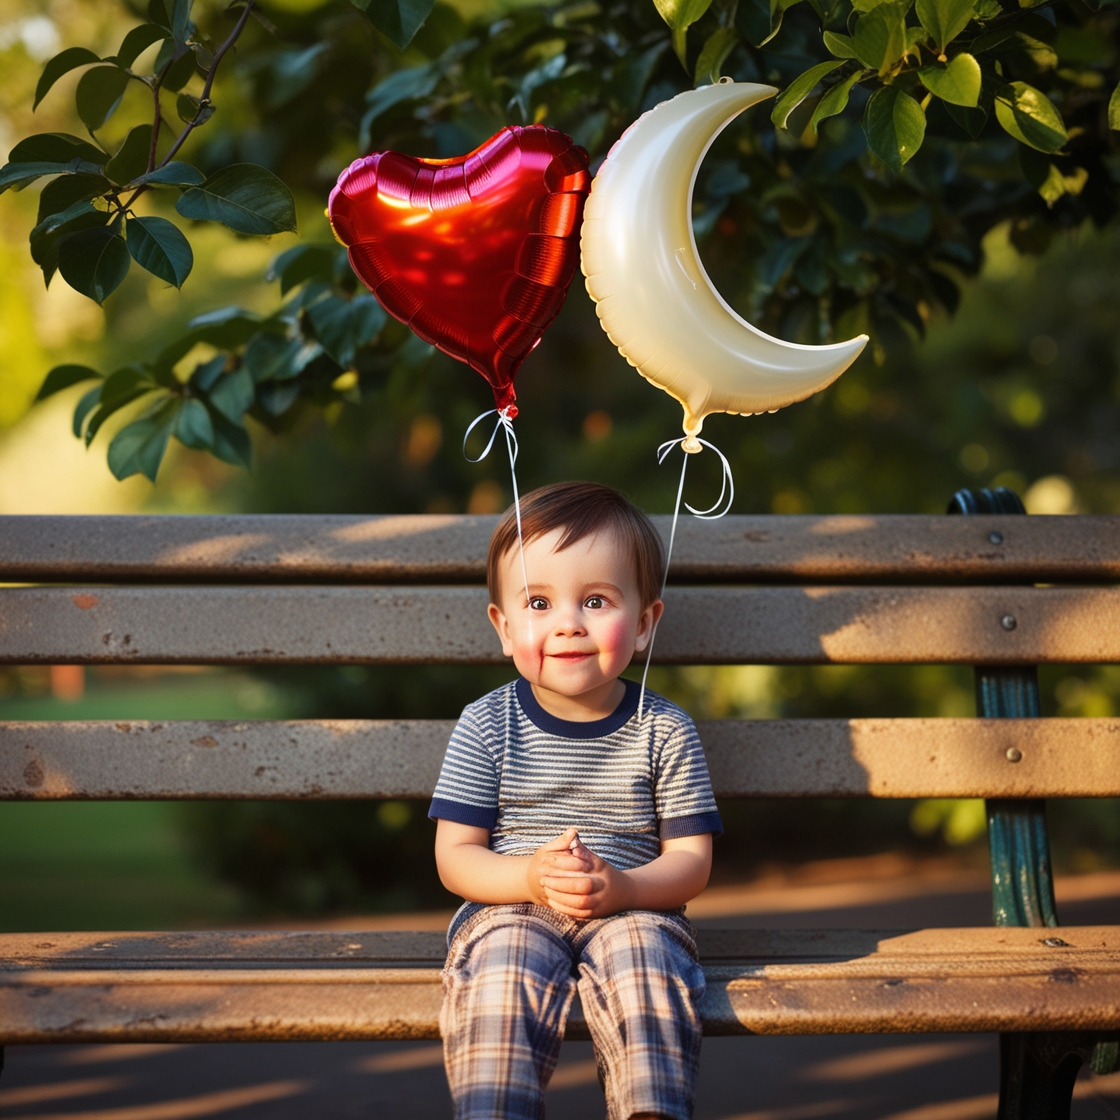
x: 613, y: 635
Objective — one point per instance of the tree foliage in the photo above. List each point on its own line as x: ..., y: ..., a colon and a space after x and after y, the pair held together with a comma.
x: 902, y: 135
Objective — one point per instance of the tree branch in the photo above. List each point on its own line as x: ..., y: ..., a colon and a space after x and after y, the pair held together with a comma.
x: 204, y: 100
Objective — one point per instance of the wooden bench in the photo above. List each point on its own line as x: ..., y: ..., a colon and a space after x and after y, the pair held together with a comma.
x: 747, y: 590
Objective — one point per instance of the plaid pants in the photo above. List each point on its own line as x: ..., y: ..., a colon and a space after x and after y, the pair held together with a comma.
x: 510, y: 977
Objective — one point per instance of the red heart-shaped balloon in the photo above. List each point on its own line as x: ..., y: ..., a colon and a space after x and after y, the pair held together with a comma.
x: 475, y: 253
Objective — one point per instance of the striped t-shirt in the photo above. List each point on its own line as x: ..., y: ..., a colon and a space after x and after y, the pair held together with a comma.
x: 526, y: 775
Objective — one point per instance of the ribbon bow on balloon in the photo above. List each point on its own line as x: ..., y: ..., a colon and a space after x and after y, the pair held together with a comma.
x: 654, y: 297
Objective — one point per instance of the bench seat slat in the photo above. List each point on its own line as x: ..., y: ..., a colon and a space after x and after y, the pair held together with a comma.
x: 452, y: 549
x: 272, y: 985
x: 730, y: 625
x: 320, y: 759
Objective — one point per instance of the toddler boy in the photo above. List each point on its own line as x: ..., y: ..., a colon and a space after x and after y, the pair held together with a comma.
x: 575, y: 832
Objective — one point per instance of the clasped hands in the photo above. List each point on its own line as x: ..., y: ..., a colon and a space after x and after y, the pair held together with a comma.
x: 570, y: 878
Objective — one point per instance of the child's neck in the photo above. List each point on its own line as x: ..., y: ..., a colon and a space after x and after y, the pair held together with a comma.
x: 598, y: 703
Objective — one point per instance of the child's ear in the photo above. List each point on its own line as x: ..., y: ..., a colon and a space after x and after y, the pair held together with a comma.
x: 646, y: 623
x: 501, y: 625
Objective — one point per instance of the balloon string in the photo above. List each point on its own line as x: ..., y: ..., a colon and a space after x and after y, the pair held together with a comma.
x: 728, y: 484
x: 504, y: 423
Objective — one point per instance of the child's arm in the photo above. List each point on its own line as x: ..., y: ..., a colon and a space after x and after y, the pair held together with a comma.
x: 677, y: 876
x: 468, y: 868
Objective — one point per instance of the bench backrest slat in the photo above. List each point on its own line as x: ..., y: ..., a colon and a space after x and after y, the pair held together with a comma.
x: 448, y: 625
x: 452, y: 549
x: 313, y: 759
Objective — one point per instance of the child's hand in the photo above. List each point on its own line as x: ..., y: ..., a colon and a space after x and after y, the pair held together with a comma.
x: 557, y: 857
x: 597, y: 890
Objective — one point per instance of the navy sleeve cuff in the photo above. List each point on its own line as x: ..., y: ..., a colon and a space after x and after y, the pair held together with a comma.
x: 476, y: 816
x: 695, y: 825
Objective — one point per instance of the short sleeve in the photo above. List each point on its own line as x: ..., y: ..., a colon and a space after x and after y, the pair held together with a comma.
x: 467, y: 789
x: 683, y: 795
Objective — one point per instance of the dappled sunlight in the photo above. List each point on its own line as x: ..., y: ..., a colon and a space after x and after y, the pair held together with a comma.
x: 60, y: 1090
x: 891, y: 1059
x: 418, y: 1057
x: 119, y: 1052
x: 820, y: 1109
x: 185, y: 1108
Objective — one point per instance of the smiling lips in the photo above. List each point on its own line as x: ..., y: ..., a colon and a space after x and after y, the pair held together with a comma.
x: 574, y: 656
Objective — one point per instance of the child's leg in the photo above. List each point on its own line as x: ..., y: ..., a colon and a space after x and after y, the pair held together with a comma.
x: 641, y: 986
x: 508, y: 986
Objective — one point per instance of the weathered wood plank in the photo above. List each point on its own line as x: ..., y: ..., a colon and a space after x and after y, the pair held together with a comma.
x: 197, y: 987
x: 452, y: 549
x: 717, y: 625
x: 320, y: 759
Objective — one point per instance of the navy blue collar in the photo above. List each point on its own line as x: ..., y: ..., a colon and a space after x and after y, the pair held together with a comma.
x: 576, y: 729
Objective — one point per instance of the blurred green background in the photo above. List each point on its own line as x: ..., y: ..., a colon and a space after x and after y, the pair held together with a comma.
x: 1021, y: 388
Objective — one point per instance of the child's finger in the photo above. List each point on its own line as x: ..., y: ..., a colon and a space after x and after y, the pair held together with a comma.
x: 563, y: 842
x: 569, y: 884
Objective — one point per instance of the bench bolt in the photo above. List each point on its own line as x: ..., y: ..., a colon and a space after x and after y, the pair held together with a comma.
x: 1008, y: 622
x: 1014, y: 754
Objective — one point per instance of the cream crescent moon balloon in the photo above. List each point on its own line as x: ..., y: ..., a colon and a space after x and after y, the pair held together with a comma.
x: 652, y: 293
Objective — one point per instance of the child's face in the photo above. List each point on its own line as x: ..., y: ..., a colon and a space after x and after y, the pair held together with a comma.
x: 583, y: 621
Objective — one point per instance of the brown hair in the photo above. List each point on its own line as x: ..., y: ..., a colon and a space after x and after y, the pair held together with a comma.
x: 581, y: 509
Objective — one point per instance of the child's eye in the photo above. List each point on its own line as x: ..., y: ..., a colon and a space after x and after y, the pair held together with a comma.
x: 595, y: 602
x: 538, y: 603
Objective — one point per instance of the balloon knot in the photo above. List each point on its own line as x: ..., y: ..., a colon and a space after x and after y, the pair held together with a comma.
x: 691, y: 445
x: 509, y: 412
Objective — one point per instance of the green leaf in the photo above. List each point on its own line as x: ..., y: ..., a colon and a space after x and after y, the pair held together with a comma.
x: 63, y: 63
x: 411, y: 84
x: 174, y: 174
x: 157, y: 245
x: 1030, y: 116
x: 131, y: 159
x: 179, y: 72
x: 139, y: 447
x: 56, y: 147
x: 1114, y: 109
x: 399, y: 20
x: 78, y: 216
x: 188, y: 107
x: 119, y: 389
x: 958, y: 82
x: 343, y: 325
x: 49, y: 235
x: 895, y: 126
x: 879, y: 38
x: 971, y: 120
x: 778, y: 9
x: 193, y: 426
x: 840, y: 46
x: 99, y: 93
x: 234, y: 394
x: 835, y: 101
x: 231, y: 442
x: 137, y: 41
x: 179, y: 18
x: 18, y: 175
x: 944, y: 19
x: 62, y: 377
x: 302, y: 263
x: 271, y: 357
x: 244, y: 197
x: 714, y: 54
x: 83, y: 408
x: 94, y: 262
x: 205, y: 374
x: 226, y: 327
x: 64, y: 191
x: 798, y: 90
